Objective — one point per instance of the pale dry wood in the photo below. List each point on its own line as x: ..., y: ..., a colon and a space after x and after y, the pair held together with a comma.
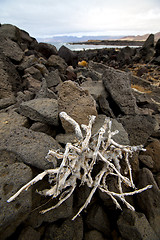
x: 78, y: 161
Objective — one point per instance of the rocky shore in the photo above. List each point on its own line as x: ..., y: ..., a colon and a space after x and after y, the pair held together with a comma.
x: 111, y: 42
x: 37, y: 82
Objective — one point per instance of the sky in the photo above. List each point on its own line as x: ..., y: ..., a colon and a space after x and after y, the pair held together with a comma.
x: 44, y: 18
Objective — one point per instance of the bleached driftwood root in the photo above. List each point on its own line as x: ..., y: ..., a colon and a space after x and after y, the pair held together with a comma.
x: 78, y: 161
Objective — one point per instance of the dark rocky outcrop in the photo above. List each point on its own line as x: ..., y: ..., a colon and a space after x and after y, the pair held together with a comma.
x: 10, y: 82
x: 6, y: 102
x: 37, y: 83
x: 118, y: 86
x: 29, y: 233
x: 69, y: 56
x: 29, y: 146
x: 46, y: 49
x: 44, y: 110
x: 94, y: 234
x: 133, y: 225
x: 79, y: 105
x: 139, y: 128
x: 56, y: 62
x: 149, y: 201
x: 147, y: 51
x: 157, y: 54
x: 15, y: 34
x: 53, y: 79
x: 98, y: 219
x: 67, y: 230
x: 157, y: 48
x: 11, y: 49
x: 125, y: 56
x: 121, y: 137
x: 153, y: 151
x: 12, y: 177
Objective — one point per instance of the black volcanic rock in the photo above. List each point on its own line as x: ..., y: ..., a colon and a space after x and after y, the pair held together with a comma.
x: 69, y: 56
x: 157, y: 48
x: 12, y: 177
x: 125, y: 55
x: 138, y: 127
x: 118, y: 85
x: 44, y: 110
x: 149, y: 43
x: 10, y: 82
x: 46, y: 49
x: 136, y: 225
x: 147, y: 51
x: 30, y: 147
x: 11, y: 49
x: 17, y: 35
x: 33, y: 83
x: 149, y: 201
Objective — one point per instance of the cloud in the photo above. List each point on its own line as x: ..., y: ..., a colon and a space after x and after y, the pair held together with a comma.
x: 49, y: 17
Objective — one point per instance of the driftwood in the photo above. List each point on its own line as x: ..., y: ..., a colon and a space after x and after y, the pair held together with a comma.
x: 78, y: 161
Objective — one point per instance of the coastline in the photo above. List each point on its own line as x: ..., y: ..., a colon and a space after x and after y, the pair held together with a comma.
x: 110, y: 42
x: 119, y: 85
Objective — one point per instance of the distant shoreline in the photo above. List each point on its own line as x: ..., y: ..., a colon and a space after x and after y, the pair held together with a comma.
x: 110, y: 42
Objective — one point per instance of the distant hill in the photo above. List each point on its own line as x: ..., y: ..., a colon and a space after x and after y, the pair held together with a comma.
x: 141, y: 37
x: 76, y: 39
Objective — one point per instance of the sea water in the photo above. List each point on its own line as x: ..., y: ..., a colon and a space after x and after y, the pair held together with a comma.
x: 81, y: 47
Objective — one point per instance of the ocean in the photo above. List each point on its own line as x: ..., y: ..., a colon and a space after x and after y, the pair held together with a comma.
x: 80, y: 47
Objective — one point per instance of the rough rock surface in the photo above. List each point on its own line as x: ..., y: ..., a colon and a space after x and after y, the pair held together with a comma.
x: 138, y: 127
x: 11, y: 120
x: 34, y: 72
x: 37, y: 71
x: 121, y: 137
x: 65, y: 138
x: 94, y: 234
x: 68, y: 230
x: 29, y: 233
x: 53, y: 79
x: 27, y: 62
x: 30, y: 147
x: 104, y: 106
x: 149, y: 201
x: 95, y: 88
x: 157, y: 48
x: 125, y: 55
x: 33, y: 84
x: 118, y: 85
x: 9, y: 31
x: 79, y: 105
x: 69, y: 56
x: 45, y: 128
x: 35, y: 219
x: 15, y: 34
x: 57, y: 62
x: 44, y: 110
x: 146, y: 160
x: 133, y: 225
x: 12, y: 177
x: 10, y: 80
x: 46, y: 49
x: 6, y: 102
x: 98, y: 219
x: 153, y: 150
x: 147, y: 51
x: 45, y: 92
x: 11, y: 49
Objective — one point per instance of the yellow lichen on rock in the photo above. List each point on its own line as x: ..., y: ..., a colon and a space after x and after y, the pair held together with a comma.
x: 82, y: 64
x: 140, y: 88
